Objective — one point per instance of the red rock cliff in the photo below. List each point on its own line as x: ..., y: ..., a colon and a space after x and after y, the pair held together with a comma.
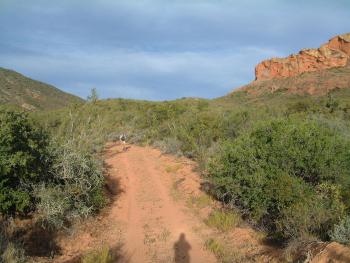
x: 335, y: 53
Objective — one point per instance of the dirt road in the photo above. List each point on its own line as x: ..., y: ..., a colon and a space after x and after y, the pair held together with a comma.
x: 155, y: 227
x: 157, y: 214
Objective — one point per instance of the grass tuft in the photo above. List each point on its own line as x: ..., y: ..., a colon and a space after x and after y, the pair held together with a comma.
x: 223, y: 220
x: 200, y: 201
x: 174, y: 168
x: 225, y: 255
x: 102, y: 255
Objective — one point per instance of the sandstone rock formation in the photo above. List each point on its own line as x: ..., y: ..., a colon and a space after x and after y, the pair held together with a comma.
x: 335, y: 53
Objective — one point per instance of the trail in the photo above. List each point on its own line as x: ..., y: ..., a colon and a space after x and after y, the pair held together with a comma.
x: 156, y: 227
x: 157, y: 215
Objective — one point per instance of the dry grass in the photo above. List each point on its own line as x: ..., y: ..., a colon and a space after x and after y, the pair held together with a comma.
x: 223, y: 220
x: 200, y: 201
x: 224, y: 254
x: 102, y: 255
x: 173, y: 168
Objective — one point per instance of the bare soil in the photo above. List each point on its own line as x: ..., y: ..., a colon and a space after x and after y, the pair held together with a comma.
x: 157, y: 214
x: 143, y: 223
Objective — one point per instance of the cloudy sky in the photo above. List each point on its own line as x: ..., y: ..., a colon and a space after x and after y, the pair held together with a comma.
x: 159, y: 49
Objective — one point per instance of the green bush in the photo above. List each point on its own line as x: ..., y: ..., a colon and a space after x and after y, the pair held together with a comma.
x: 288, y: 175
x: 77, y: 187
x: 341, y: 231
x: 61, y: 180
x: 24, y: 161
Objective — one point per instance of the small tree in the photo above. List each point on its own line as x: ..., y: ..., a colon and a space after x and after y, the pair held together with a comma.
x: 24, y: 161
x: 93, y: 97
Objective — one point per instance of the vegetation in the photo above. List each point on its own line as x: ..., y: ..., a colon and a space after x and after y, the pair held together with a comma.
x: 10, y: 252
x: 93, y: 97
x: 103, y: 255
x: 24, y: 161
x: 281, y: 159
x: 215, y: 247
x: 225, y: 255
x: 223, y: 220
x: 292, y: 176
x: 75, y: 190
x: 280, y: 172
x: 45, y: 176
x: 60, y: 180
x: 341, y: 232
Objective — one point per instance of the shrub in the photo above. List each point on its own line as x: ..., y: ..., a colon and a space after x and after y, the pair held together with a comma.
x: 169, y: 146
x: 286, y: 175
x: 223, y: 220
x: 341, y: 231
x: 53, y: 205
x: 24, y: 161
x: 76, y: 190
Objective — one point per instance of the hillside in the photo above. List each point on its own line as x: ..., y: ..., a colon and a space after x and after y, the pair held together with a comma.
x: 310, y: 72
x: 312, y: 83
x: 335, y: 53
x: 29, y: 94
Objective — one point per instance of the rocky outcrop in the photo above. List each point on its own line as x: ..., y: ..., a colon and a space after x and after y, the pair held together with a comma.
x: 335, y: 53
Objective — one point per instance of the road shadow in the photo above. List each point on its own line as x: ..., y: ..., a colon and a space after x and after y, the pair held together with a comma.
x: 181, y: 250
x: 110, y: 150
x: 338, y: 257
x: 112, y: 183
x: 37, y: 240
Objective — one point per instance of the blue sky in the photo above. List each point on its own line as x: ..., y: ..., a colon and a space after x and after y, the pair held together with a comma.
x: 159, y: 49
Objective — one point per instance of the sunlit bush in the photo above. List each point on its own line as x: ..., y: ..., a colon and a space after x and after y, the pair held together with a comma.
x: 287, y: 175
x: 77, y: 187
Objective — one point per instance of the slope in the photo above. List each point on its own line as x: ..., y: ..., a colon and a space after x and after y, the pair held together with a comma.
x: 312, y: 83
x: 28, y: 94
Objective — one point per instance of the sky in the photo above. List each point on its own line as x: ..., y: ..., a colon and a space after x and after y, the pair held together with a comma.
x: 159, y: 49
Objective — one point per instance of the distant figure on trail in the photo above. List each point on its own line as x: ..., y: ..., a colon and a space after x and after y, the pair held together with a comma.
x: 182, y: 248
x: 122, y: 139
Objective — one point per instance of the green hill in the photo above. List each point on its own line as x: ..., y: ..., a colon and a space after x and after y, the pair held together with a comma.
x: 29, y: 94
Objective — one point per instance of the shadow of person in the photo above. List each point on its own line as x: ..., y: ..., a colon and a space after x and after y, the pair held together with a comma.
x: 181, y: 249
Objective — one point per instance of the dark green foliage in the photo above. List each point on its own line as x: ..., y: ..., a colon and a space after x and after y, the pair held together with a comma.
x: 60, y: 178
x: 288, y: 175
x: 24, y: 161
